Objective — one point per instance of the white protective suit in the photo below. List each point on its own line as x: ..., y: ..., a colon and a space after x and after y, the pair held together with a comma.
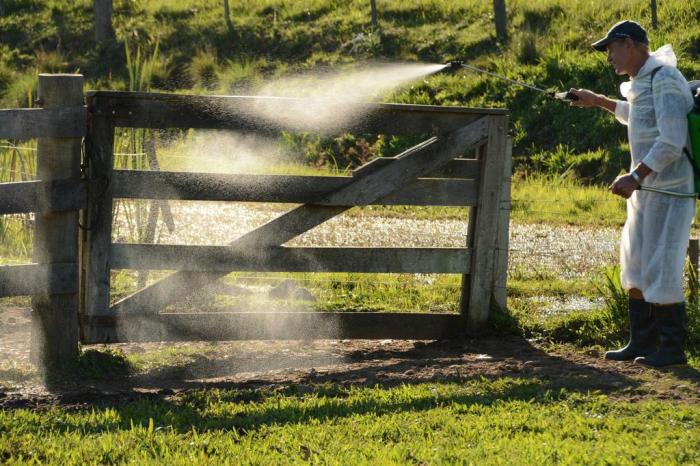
x: 655, y: 236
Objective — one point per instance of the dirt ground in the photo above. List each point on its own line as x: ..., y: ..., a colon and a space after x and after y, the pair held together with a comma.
x: 305, y: 364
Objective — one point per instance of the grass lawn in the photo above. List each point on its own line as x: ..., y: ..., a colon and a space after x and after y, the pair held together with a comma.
x: 503, y: 421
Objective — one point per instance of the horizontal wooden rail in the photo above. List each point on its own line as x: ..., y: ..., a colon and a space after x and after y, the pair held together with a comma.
x: 161, y: 110
x: 32, y: 279
x: 285, y: 259
x: 29, y: 123
x: 280, y: 188
x: 42, y: 196
x: 271, y: 326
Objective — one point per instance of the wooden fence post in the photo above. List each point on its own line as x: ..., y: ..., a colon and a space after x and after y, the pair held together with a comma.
x: 500, y: 17
x: 227, y: 16
x: 55, y: 329
x: 100, y: 155
x: 373, y: 5
x: 484, y: 223
x: 501, y: 268
x: 104, y: 31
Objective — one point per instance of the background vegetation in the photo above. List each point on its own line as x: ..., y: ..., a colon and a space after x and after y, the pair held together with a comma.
x: 192, y: 49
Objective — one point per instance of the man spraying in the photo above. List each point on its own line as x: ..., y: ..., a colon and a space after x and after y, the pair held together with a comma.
x: 656, y: 233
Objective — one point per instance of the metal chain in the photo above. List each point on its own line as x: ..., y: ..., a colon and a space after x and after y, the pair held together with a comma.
x: 87, y: 178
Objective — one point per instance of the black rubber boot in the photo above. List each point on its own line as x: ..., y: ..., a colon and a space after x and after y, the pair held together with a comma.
x: 643, y: 333
x: 671, y: 323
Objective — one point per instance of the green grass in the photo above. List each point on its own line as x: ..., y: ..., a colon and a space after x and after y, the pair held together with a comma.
x: 329, y: 292
x: 17, y: 163
x: 504, y: 421
x: 564, y: 200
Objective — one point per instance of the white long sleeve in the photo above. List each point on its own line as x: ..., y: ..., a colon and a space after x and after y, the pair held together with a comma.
x: 622, y: 111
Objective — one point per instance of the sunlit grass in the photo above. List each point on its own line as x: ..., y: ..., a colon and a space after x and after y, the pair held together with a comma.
x: 481, y: 421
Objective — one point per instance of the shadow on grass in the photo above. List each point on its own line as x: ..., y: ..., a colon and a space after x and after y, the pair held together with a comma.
x: 101, y: 372
x: 524, y: 373
x: 486, y: 371
x: 687, y: 373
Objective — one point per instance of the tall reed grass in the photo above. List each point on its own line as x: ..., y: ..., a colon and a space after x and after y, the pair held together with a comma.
x: 131, y: 144
x: 17, y: 163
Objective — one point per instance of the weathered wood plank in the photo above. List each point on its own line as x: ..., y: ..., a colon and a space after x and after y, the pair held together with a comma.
x: 42, y: 196
x: 30, y: 123
x: 500, y: 293
x: 38, y: 279
x: 465, y: 291
x: 160, y: 110
x: 457, y: 168
x: 280, y: 259
x: 272, y: 326
x: 412, y: 164
x: 156, y: 206
x: 100, y: 148
x: 132, y: 184
x: 486, y: 224
x: 55, y: 328
x: 162, y: 207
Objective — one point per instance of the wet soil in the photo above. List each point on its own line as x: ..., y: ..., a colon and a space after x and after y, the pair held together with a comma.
x: 304, y: 365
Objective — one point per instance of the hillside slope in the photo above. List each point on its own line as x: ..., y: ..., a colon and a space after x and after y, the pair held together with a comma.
x: 191, y: 49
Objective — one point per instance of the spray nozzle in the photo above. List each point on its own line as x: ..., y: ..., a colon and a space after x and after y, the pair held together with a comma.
x: 455, y: 64
x: 566, y: 96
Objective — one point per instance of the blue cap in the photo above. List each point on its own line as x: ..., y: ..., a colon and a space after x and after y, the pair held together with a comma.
x: 623, y: 30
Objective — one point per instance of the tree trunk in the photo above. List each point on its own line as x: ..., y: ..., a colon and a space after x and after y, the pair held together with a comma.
x: 104, y: 32
x: 2, y: 7
x: 227, y: 16
x: 373, y: 3
x: 654, y: 17
x: 501, y: 19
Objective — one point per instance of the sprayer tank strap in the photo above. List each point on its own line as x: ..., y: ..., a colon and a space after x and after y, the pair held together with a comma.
x: 696, y: 170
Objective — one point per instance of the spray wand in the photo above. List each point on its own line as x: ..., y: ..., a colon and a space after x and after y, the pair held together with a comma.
x: 565, y: 96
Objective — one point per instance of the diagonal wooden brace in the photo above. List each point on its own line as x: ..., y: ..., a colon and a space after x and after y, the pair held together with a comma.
x: 411, y: 164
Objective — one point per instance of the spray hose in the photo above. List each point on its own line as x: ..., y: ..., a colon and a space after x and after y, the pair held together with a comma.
x: 565, y: 96
x: 667, y: 192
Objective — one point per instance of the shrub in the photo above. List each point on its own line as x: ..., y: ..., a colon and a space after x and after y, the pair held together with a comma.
x: 6, y: 77
x: 203, y: 69
x: 693, y: 310
x: 21, y: 91
x: 594, y: 165
x: 344, y: 152
x: 527, y: 48
x: 53, y: 61
x: 615, y: 316
x: 239, y: 74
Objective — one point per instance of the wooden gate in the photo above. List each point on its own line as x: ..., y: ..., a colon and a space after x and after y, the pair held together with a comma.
x: 463, y: 161
x: 434, y: 172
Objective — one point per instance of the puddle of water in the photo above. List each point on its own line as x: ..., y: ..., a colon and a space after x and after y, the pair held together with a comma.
x: 551, y: 306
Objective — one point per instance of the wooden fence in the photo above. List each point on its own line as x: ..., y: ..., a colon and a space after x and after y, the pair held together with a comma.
x: 54, y: 278
x: 463, y: 161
